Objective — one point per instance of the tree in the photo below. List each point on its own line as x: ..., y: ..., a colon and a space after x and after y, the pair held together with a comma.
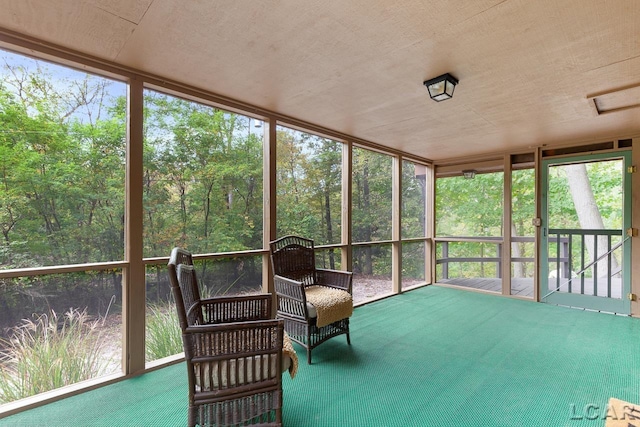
x: 61, y: 187
x: 588, y: 213
x: 59, y: 166
x: 371, y: 210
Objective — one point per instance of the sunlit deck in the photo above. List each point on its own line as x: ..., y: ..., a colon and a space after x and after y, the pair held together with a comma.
x: 524, y: 286
x: 519, y: 286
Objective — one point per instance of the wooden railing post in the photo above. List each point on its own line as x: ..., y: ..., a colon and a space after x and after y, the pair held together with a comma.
x: 564, y: 256
x: 445, y: 255
x: 499, y: 269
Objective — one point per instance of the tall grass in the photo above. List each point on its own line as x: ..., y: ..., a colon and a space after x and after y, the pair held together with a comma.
x: 163, y: 334
x: 164, y: 337
x: 49, y: 352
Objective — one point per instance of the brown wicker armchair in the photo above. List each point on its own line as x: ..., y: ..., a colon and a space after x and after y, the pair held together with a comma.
x: 233, y: 352
x: 314, y: 303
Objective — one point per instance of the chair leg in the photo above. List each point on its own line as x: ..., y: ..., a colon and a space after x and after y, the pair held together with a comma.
x: 348, y: 339
x: 192, y: 416
x: 310, y: 345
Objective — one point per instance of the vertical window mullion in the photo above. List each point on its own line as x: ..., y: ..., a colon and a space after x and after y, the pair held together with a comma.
x: 134, y: 274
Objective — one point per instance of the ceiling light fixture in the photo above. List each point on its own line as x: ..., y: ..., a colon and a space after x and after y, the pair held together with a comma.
x: 441, y: 87
x: 469, y: 173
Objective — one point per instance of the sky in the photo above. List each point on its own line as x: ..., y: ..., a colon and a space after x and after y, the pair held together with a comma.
x: 61, y: 77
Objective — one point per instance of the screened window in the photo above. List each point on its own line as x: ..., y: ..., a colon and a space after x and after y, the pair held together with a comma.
x: 202, y: 178
x: 414, y: 199
x: 371, y: 221
x: 470, y: 211
x: 62, y: 192
x: 372, y: 197
x: 202, y: 192
x: 309, y: 186
x: 469, y: 207
x: 522, y: 232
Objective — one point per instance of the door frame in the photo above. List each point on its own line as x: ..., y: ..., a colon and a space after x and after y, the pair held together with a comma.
x: 621, y: 306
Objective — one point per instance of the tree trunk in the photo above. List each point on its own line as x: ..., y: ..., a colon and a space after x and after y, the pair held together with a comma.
x: 327, y: 208
x: 589, y: 215
x: 368, y: 258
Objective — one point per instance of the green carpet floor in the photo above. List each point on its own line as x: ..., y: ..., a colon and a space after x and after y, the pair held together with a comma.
x: 430, y: 357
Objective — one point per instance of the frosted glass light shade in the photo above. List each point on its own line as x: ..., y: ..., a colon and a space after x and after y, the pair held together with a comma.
x: 441, y: 87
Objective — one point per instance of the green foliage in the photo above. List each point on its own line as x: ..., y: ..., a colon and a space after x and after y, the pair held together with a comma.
x: 47, y: 353
x: 163, y: 337
x: 605, y: 180
x: 474, y: 208
x: 309, y: 186
x: 469, y: 207
x: 61, y: 171
x: 414, y: 194
x: 203, y: 178
x: 523, y: 202
x: 413, y: 261
x: 371, y: 208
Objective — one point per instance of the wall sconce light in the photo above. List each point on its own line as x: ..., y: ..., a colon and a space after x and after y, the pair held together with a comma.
x: 441, y: 87
x: 469, y: 174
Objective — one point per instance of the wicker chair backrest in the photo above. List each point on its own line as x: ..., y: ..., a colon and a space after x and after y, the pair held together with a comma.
x: 190, y: 294
x: 184, y: 284
x: 294, y: 258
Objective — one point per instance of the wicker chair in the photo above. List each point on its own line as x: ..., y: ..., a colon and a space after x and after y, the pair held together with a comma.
x: 293, y: 262
x: 233, y: 352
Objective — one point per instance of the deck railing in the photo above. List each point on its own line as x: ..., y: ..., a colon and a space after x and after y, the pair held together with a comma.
x: 445, y: 260
x: 602, y: 262
x: 561, y: 246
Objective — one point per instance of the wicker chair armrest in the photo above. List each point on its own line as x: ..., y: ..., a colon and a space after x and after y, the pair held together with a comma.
x: 199, y: 329
x: 237, y: 308
x: 292, y: 301
x: 232, y: 326
x: 335, y: 279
